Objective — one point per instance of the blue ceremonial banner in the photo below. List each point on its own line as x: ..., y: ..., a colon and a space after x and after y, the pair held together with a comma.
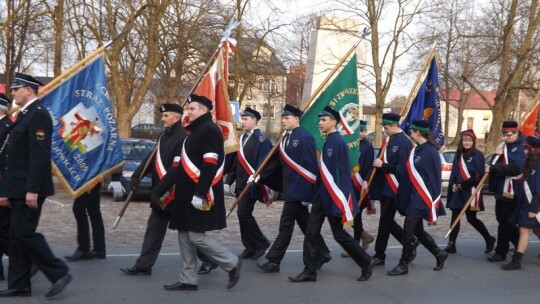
x: 85, y: 142
x: 427, y: 105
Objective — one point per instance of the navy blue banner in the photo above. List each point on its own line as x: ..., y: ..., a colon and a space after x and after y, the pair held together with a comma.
x: 85, y: 141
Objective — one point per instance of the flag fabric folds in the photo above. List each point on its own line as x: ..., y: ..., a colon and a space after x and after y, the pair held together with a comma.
x: 85, y: 142
x: 213, y: 85
x: 529, y: 123
x: 342, y: 96
x: 427, y: 104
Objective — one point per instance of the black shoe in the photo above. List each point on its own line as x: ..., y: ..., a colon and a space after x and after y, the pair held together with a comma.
x: 234, y: 275
x: 26, y: 292
x: 367, y: 271
x: 79, y: 255
x: 441, y: 257
x: 400, y: 269
x: 496, y: 258
x: 181, y: 286
x: 260, y: 252
x: 246, y: 254
x: 2, y: 278
x: 59, y: 285
x: 413, y: 256
x: 325, y: 260
x: 304, y: 277
x: 137, y: 270
x: 378, y: 261
x: 98, y: 255
x: 490, y: 245
x: 269, y: 267
x: 451, y: 247
x: 206, y: 267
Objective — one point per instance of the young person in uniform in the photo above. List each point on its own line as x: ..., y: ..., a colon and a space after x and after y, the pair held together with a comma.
x: 5, y: 126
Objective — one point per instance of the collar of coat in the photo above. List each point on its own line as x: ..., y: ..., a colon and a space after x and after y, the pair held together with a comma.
x: 170, y: 129
x: 199, y: 121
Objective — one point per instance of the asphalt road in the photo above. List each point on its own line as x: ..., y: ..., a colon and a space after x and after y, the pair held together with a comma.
x: 466, y: 278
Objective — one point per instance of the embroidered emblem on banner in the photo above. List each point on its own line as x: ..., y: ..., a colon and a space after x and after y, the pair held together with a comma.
x: 81, y: 129
x: 350, y: 119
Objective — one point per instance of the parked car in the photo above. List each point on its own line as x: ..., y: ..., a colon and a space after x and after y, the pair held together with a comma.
x: 147, y: 131
x: 487, y: 161
x: 447, y: 158
x: 370, y: 136
x: 135, y: 150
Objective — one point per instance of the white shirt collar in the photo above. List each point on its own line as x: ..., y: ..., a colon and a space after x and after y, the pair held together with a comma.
x: 27, y: 104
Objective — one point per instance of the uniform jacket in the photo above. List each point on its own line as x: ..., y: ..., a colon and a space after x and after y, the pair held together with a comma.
x: 335, y: 155
x: 5, y: 126
x: 397, y: 151
x: 26, y: 157
x: 499, y: 171
x: 302, y: 150
x: 365, y: 163
x: 255, y: 150
x: 170, y: 146
x: 477, y: 168
x: 204, y: 138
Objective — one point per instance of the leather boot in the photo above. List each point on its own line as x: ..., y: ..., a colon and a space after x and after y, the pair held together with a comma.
x: 490, y: 244
x: 401, y: 269
x: 515, y: 263
x: 451, y: 247
x: 440, y: 257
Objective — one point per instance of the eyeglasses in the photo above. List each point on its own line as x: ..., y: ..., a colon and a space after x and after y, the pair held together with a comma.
x: 508, y: 133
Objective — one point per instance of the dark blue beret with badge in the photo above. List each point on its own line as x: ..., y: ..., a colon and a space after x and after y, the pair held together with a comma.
x: 171, y: 107
x: 202, y: 100
x: 23, y: 80
x: 250, y: 112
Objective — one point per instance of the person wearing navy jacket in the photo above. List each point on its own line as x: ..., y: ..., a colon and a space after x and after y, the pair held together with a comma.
x: 468, y: 168
x: 334, y: 201
x: 386, y: 184
x: 297, y: 160
x: 419, y: 197
x: 254, y: 146
x: 5, y: 126
x: 527, y: 216
x: 503, y: 179
x: 26, y: 183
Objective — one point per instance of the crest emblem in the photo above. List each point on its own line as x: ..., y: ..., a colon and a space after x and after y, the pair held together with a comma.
x: 394, y: 149
x: 261, y: 138
x: 514, y: 149
x: 81, y: 129
x: 417, y: 158
x: 40, y: 134
x: 329, y: 152
x: 350, y: 116
x: 469, y: 159
x: 295, y: 143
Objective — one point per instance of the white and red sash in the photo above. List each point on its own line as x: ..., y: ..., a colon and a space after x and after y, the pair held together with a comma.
x: 266, y: 191
x: 528, y: 193
x: 508, y: 188
x: 357, y: 183
x: 194, y: 173
x: 161, y: 171
x: 421, y: 188
x: 338, y: 197
x: 310, y: 177
x: 465, y: 175
x: 344, y: 125
x: 390, y: 177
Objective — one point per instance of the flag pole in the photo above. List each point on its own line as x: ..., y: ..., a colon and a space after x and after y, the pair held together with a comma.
x: 306, y: 106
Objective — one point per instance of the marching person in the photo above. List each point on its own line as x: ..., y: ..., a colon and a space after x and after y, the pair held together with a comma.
x: 26, y: 182
x: 527, y: 215
x: 5, y: 126
x: 334, y: 201
x: 169, y: 146
x: 419, y: 197
x: 503, y: 178
x: 254, y: 146
x: 297, y: 161
x: 386, y: 183
x: 199, y: 200
x: 468, y: 168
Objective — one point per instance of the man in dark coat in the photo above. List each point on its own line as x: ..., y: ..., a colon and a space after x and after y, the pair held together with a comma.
x: 169, y: 147
x: 5, y: 125
x: 198, y: 204
x: 26, y: 182
x: 254, y: 146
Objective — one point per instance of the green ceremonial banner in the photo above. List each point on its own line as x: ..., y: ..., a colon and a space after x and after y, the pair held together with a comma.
x: 341, y: 95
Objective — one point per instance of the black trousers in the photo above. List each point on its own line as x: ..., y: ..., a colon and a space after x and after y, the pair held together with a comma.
x: 358, y: 226
x: 28, y: 247
x: 313, y: 255
x: 250, y: 233
x: 87, y: 206
x: 506, y: 232
x: 415, y: 227
x: 473, y: 220
x: 4, y: 235
x: 292, y: 211
x: 156, y: 228
x: 387, y: 226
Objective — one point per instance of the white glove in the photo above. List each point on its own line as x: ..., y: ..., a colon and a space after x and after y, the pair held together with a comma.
x: 305, y: 204
x: 252, y: 179
x: 226, y: 188
x: 117, y: 189
x: 197, y: 202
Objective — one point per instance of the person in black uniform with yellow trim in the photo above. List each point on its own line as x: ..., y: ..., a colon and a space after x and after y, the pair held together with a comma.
x: 26, y: 182
x: 5, y: 125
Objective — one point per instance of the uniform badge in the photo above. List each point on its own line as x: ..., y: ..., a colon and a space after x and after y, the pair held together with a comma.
x: 329, y: 152
x: 40, y: 134
x: 469, y: 159
x: 295, y: 143
x: 417, y: 158
x: 261, y: 138
x: 394, y: 149
x: 514, y: 149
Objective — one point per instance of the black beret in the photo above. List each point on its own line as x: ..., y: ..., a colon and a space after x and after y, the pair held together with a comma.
x: 468, y: 132
x: 327, y: 111
x: 4, y: 100
x: 292, y: 110
x: 202, y: 100
x: 171, y: 107
x: 250, y: 112
x: 533, y: 142
x: 421, y: 125
x: 390, y: 119
x: 509, y: 125
x: 23, y: 80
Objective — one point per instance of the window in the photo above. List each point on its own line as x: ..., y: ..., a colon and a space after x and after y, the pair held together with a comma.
x: 470, y: 122
x: 268, y: 85
x: 272, y: 112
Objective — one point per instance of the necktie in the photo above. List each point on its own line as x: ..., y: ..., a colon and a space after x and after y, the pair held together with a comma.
x: 245, y: 138
x: 286, y: 138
